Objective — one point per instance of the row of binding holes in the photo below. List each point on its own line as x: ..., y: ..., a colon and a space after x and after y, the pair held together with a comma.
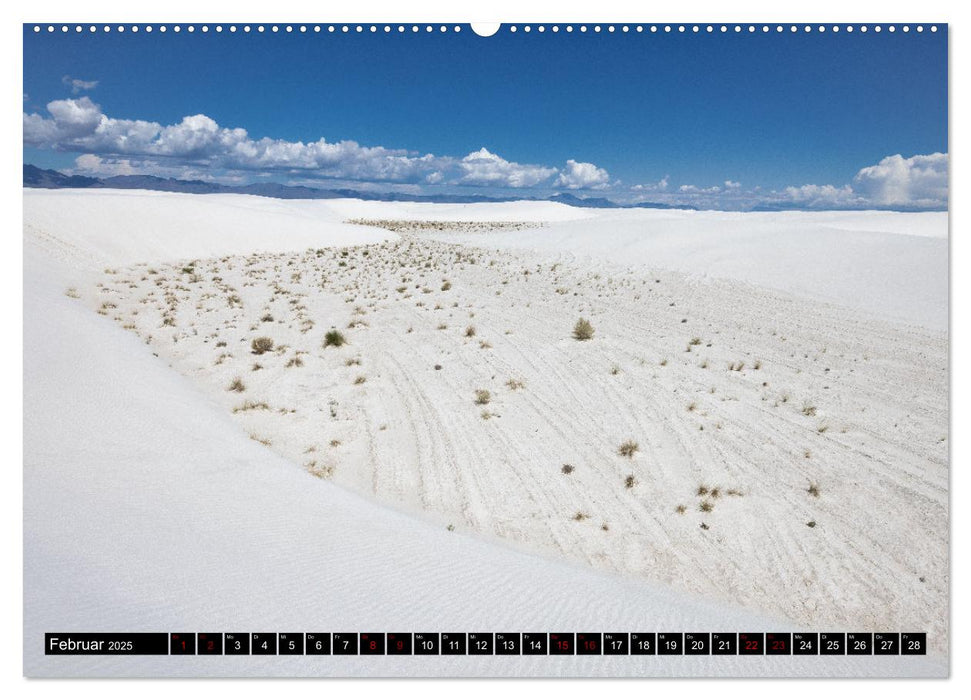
x: 737, y: 28
x: 414, y: 28
x: 289, y: 28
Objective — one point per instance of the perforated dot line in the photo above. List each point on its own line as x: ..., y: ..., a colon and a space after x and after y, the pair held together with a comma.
x: 512, y: 29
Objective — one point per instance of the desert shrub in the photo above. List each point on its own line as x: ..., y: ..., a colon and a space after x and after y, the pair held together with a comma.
x: 360, y: 379
x: 237, y: 386
x: 252, y: 406
x: 628, y: 448
x: 808, y: 409
x: 681, y: 509
x: 629, y: 481
x: 482, y: 396
x: 321, y: 471
x: 515, y: 384
x: 261, y: 345
x: 334, y: 338
x: 567, y: 468
x: 446, y: 285
x: 267, y: 318
x: 706, y: 507
x: 469, y: 331
x: 813, y: 489
x: 583, y: 330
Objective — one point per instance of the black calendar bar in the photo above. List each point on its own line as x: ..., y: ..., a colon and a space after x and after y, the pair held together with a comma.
x: 487, y: 643
x: 101, y: 643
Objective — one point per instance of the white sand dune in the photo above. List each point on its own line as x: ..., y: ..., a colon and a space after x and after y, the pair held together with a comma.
x: 143, y: 490
x: 890, y: 264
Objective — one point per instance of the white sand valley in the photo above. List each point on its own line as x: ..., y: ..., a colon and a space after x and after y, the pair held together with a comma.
x: 362, y: 485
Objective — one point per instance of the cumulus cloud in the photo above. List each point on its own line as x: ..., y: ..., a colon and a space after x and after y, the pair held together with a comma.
x: 90, y: 164
x: 659, y: 186
x: 108, y: 166
x: 694, y: 189
x: 79, y: 125
x: 484, y: 168
x: 918, y: 182
x: 822, y: 195
x: 78, y: 85
x: 582, y: 176
x: 897, y: 181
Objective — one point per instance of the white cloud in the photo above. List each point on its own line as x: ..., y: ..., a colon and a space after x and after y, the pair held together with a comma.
x: 694, y: 189
x: 918, y: 182
x: 90, y: 164
x: 108, y: 166
x: 77, y: 85
x: 730, y: 185
x: 822, y: 195
x: 659, y: 186
x: 80, y: 125
x: 582, y: 176
x: 485, y: 168
x: 897, y: 181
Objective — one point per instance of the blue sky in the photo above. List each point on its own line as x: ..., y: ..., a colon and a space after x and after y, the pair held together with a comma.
x: 727, y: 120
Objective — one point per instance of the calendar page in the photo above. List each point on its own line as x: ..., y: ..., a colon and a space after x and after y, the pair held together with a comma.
x: 536, y: 349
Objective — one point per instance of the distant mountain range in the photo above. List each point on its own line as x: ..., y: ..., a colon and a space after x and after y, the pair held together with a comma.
x: 52, y: 179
